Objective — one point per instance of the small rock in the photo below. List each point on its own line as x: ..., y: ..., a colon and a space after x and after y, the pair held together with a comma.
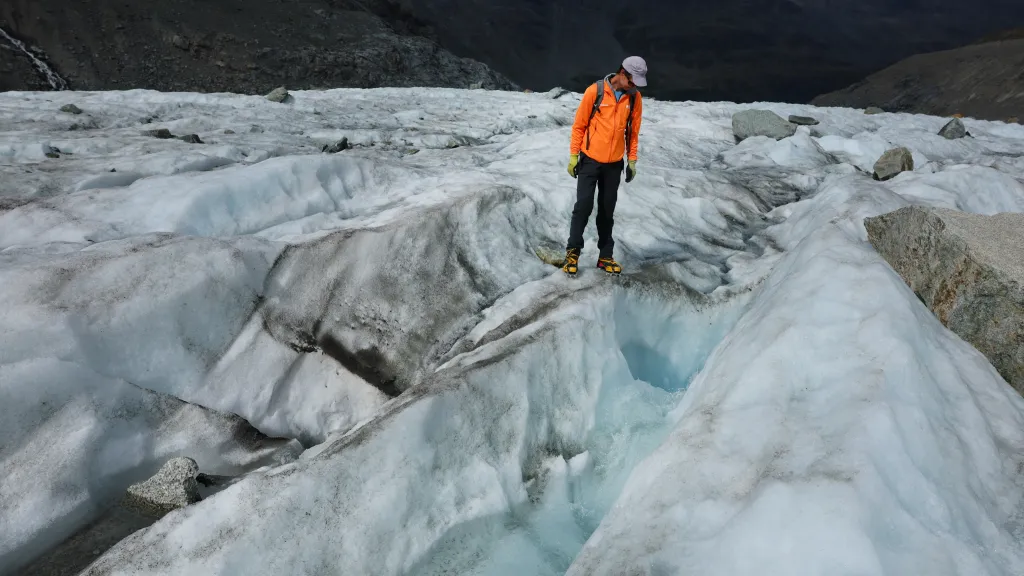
x: 893, y: 162
x: 336, y: 147
x: 476, y: 86
x: 278, y: 95
x: 52, y: 155
x: 1013, y: 120
x: 255, y: 130
x: 180, y: 42
x: 873, y: 110
x: 953, y: 129
x: 229, y: 131
x: 550, y: 256
x: 191, y: 139
x: 173, y: 487
x: 527, y: 91
x: 803, y: 120
x: 761, y: 123
x: 162, y: 133
x: 71, y: 109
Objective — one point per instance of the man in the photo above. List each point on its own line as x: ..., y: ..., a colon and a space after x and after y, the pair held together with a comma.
x: 596, y: 149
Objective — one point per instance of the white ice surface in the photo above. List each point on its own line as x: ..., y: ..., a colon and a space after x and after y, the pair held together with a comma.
x: 837, y: 428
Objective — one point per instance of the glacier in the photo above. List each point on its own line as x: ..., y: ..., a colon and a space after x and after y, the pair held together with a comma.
x: 371, y: 345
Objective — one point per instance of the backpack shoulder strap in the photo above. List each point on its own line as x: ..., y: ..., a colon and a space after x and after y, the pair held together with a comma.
x: 598, y: 96
x: 599, y: 87
x: 629, y: 120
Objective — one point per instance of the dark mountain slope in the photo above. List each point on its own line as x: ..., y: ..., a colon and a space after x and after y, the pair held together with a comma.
x: 981, y: 81
x: 246, y: 46
x: 740, y: 50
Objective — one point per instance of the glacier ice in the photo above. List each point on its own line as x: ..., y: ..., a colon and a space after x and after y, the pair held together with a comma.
x: 758, y: 394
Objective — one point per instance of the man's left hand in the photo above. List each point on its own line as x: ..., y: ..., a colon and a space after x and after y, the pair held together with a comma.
x: 630, y: 170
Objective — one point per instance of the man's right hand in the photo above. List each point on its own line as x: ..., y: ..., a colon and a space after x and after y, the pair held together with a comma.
x: 574, y: 160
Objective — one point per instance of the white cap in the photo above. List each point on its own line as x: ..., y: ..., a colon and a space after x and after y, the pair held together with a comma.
x: 637, y: 68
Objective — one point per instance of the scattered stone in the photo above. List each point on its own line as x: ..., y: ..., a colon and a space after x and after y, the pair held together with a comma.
x: 70, y: 109
x: 803, y: 120
x: 191, y: 139
x: 278, y: 95
x: 52, y: 155
x: 550, y: 256
x: 557, y: 93
x: 173, y: 487
x: 874, y: 110
x: 336, y: 147
x: 968, y: 269
x: 76, y: 127
x: 1013, y: 120
x: 893, y: 162
x: 476, y: 86
x: 180, y: 43
x: 162, y: 133
x: 761, y: 123
x: 953, y: 129
x: 229, y: 131
x: 527, y: 91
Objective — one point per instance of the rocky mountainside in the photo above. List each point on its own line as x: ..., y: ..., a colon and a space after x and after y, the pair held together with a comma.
x: 983, y: 80
x: 738, y: 50
x: 241, y: 46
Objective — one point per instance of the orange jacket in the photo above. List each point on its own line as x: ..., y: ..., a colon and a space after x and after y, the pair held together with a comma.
x: 608, y: 128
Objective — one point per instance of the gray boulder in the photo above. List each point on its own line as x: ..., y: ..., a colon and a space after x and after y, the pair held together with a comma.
x: 173, y: 487
x: 70, y: 109
x: 278, y: 95
x: 873, y: 110
x: 336, y: 147
x: 893, y: 162
x: 803, y: 120
x: 968, y: 269
x: 953, y: 129
x: 191, y: 139
x: 761, y: 123
x: 162, y: 133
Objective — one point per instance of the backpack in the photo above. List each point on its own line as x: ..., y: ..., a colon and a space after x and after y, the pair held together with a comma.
x: 597, y: 104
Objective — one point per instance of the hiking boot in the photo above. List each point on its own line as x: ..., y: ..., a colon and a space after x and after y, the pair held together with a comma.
x: 572, y: 261
x: 609, y: 265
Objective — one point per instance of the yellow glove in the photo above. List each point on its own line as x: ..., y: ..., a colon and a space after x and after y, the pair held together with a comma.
x: 631, y: 170
x: 574, y: 159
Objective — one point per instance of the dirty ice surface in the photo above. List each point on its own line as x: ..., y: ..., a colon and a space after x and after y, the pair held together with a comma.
x: 759, y: 393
